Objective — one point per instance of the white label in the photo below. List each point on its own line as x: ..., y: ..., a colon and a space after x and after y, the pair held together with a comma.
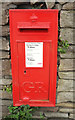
x: 34, y: 54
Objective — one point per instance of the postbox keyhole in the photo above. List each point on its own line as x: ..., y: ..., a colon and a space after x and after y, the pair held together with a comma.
x: 24, y: 71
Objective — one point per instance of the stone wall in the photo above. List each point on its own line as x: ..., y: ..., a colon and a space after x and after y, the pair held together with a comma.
x: 65, y: 103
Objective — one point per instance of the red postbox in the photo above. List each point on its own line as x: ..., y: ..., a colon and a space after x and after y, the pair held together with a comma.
x: 33, y: 37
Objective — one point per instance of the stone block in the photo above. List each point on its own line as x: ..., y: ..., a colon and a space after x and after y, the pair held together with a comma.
x: 58, y: 6
x: 4, y: 44
x: 1, y: 87
x: 4, y: 108
x: 49, y: 109
x: 0, y: 68
x: 65, y: 85
x: 66, y: 105
x: 5, y: 81
x: 70, y: 53
x: 37, y: 113
x: 68, y: 6
x: 56, y: 115
x: 5, y: 95
x: 67, y: 34
x: 8, y: 5
x: 67, y: 110
x: 64, y: 1
x: 34, y: 1
x: 65, y: 97
x: 21, y: 2
x: 6, y: 67
x: 67, y: 65
x: 4, y: 55
x: 5, y: 31
x: 66, y: 19
x: 6, y: 102
x: 38, y: 118
x: 5, y: 17
x: 50, y: 4
x: 67, y: 75
x: 72, y: 116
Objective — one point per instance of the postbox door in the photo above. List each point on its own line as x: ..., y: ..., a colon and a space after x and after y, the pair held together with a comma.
x: 34, y: 80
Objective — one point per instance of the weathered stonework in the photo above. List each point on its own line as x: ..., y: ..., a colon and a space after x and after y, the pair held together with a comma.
x: 70, y: 53
x: 5, y: 95
x: 58, y: 6
x: 64, y: 1
x: 65, y: 97
x: 68, y: 6
x: 55, y: 115
x: 5, y: 31
x: 49, y: 109
x: 6, y: 102
x: 66, y: 105
x: 4, y: 44
x: 67, y: 75
x: 67, y: 34
x: 66, y: 19
x: 5, y: 81
x: 67, y: 65
x: 72, y: 116
x: 65, y: 85
x: 6, y: 67
x: 4, y: 17
x: 67, y: 110
x: 49, y: 4
x: 4, y: 55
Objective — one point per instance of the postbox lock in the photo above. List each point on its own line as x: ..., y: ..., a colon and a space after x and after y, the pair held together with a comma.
x: 24, y: 71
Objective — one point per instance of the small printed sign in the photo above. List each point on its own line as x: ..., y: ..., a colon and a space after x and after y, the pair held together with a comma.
x: 34, y: 54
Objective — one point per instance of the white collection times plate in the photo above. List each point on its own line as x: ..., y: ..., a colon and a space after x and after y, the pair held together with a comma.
x: 34, y: 54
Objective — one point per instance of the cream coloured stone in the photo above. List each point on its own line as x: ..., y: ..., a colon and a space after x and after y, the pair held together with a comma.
x: 66, y: 105
x: 66, y: 19
x: 5, y: 31
x: 65, y: 85
x: 50, y: 4
x: 4, y: 55
x: 67, y: 110
x: 55, y: 115
x: 67, y: 34
x: 58, y: 6
x: 67, y: 65
x: 70, y: 53
x: 65, y: 97
x: 64, y: 1
x: 34, y: 1
x: 5, y: 95
x: 68, y: 6
x: 72, y: 116
x: 6, y: 67
x: 67, y: 75
x: 4, y: 43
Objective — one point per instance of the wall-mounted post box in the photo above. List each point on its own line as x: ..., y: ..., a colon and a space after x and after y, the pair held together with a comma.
x: 33, y: 37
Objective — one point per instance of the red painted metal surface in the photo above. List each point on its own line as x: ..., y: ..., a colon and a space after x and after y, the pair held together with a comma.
x: 35, y: 86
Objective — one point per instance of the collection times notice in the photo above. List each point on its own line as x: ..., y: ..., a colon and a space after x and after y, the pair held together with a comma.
x: 34, y: 54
